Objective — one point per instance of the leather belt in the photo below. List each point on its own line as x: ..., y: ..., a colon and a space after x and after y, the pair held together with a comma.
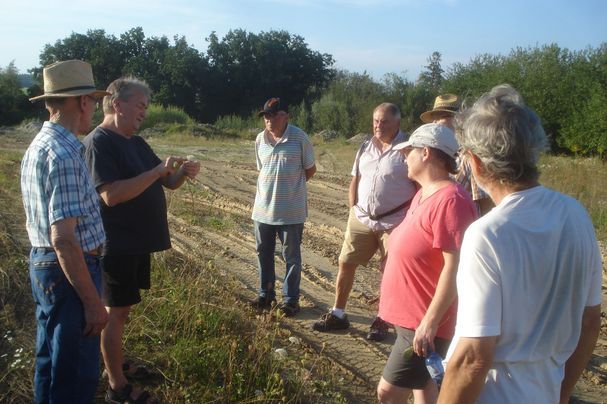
x: 97, y: 251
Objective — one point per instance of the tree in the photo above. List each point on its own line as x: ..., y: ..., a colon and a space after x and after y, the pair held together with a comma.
x: 432, y: 76
x: 14, y: 104
x: 249, y: 68
x: 103, y: 52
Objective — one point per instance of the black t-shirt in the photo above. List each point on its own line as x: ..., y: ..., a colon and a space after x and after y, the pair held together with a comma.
x: 137, y: 226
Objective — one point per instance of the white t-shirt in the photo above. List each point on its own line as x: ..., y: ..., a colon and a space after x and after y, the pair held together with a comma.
x: 527, y: 270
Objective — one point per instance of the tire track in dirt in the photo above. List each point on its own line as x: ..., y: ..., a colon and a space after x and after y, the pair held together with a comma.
x: 234, y: 252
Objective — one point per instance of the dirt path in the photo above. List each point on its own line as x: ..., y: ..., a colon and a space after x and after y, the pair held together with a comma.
x: 229, y: 188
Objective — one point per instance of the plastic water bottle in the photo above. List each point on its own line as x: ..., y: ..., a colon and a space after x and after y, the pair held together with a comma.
x: 434, y: 364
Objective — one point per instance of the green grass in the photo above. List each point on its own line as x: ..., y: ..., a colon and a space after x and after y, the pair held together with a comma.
x: 583, y: 178
x: 193, y: 326
x: 16, y: 307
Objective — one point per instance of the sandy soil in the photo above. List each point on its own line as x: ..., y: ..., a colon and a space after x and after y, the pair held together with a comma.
x: 229, y: 178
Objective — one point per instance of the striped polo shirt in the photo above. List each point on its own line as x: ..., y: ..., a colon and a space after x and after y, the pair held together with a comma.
x: 55, y: 185
x: 281, y: 196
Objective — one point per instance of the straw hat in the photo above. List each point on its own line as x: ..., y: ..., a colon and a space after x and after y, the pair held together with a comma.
x: 442, y: 103
x: 69, y: 78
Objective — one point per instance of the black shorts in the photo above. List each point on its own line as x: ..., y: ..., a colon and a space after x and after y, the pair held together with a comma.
x: 409, y: 371
x: 123, y: 277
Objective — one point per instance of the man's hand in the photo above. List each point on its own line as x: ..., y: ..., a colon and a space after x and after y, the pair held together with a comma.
x: 191, y: 168
x: 169, y: 166
x: 73, y: 265
x: 95, y: 317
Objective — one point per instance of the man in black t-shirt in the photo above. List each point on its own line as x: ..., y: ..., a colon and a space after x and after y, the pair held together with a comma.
x: 129, y: 178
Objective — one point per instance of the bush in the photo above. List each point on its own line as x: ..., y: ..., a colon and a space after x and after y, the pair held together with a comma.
x: 158, y: 114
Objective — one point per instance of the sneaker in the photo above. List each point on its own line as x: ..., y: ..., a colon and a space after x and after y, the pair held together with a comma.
x: 263, y: 303
x: 330, y: 322
x: 379, y: 330
x: 289, y: 309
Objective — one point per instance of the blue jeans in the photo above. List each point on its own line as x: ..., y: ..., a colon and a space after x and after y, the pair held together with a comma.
x: 67, y: 362
x: 290, y: 237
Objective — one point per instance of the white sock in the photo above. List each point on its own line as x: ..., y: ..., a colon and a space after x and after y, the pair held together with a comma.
x: 338, y: 312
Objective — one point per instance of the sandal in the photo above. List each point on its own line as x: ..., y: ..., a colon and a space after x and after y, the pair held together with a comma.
x: 124, y: 396
x: 140, y: 372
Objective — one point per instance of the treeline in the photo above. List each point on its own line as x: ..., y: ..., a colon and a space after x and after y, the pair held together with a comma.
x: 228, y: 82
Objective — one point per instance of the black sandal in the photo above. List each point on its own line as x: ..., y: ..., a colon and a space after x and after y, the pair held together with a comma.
x: 140, y: 372
x: 124, y: 396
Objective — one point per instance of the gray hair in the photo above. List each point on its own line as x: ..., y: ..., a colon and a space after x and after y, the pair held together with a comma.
x: 505, y: 134
x: 391, y: 108
x: 123, y: 89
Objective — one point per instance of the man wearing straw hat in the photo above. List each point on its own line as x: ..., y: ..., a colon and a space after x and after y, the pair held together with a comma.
x: 65, y: 230
x: 443, y: 113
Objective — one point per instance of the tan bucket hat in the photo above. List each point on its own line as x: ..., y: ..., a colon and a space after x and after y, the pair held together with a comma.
x: 443, y: 103
x: 69, y: 78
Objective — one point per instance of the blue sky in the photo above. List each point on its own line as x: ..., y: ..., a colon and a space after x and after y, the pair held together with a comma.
x: 376, y: 36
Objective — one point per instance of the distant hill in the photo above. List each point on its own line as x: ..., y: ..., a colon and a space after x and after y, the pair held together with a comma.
x: 26, y: 80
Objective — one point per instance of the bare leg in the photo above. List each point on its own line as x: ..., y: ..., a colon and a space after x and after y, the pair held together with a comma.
x: 388, y: 393
x: 429, y: 395
x: 343, y: 285
x: 111, y: 346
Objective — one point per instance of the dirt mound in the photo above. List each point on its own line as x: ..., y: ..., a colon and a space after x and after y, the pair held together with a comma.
x: 30, y: 126
x: 326, y: 135
x: 359, y: 138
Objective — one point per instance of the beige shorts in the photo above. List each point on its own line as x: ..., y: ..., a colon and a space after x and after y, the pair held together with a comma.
x: 360, y: 242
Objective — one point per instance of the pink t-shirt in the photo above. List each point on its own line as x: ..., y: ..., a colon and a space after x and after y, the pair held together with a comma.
x: 415, y: 258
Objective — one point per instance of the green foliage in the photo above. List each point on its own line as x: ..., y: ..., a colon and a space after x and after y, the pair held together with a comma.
x: 236, y: 76
x: 432, y: 76
x: 566, y: 89
x: 248, y: 68
x: 158, y: 114
x: 14, y: 103
x: 238, y: 123
x: 347, y: 105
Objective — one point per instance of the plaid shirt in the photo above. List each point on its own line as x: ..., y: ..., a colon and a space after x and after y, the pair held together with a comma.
x: 55, y: 185
x: 466, y: 179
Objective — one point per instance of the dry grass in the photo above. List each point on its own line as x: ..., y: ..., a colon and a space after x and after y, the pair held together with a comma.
x: 191, y: 326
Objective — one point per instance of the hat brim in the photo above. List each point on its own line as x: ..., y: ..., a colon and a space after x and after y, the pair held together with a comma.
x: 429, y: 116
x: 404, y: 145
x: 75, y: 93
x: 262, y: 113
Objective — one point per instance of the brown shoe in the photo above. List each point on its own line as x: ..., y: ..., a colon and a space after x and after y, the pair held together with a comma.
x: 263, y: 303
x: 379, y: 330
x: 330, y: 322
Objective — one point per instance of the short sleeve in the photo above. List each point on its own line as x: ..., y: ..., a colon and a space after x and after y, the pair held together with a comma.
x: 479, y: 289
x: 308, y: 153
x: 451, y: 219
x: 67, y: 190
x: 102, y: 159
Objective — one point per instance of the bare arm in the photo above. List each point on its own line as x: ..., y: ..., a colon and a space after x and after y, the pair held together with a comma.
x: 467, y: 370
x: 310, y: 172
x: 591, y: 326
x: 445, y: 294
x: 353, y: 191
x: 121, y: 191
x: 71, y: 260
